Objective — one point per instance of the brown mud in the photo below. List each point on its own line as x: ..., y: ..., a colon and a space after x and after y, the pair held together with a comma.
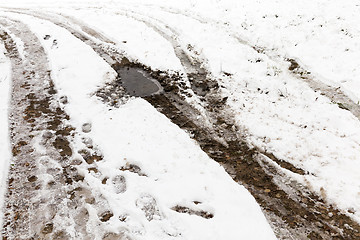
x: 303, y: 214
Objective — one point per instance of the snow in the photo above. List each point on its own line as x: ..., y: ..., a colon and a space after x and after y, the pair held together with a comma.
x: 278, y: 111
x: 177, y: 171
x: 5, y: 77
x: 321, y: 34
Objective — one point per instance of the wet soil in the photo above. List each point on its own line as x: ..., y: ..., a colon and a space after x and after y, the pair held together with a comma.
x: 302, y: 214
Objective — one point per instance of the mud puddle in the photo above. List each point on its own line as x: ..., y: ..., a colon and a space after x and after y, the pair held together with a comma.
x: 132, y: 79
x: 138, y: 83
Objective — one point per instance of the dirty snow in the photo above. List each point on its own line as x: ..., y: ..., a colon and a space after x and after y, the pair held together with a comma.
x: 278, y: 111
x: 175, y: 172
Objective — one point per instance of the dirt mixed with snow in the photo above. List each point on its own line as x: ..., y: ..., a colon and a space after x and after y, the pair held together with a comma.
x: 123, y: 131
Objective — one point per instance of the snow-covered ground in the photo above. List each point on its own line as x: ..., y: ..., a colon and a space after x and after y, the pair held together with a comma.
x: 175, y: 173
x: 5, y: 77
x: 280, y: 113
x: 178, y: 172
x: 278, y: 110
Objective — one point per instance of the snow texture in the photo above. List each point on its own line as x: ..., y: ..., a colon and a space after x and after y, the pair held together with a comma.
x: 5, y: 77
x: 279, y: 112
x: 174, y: 170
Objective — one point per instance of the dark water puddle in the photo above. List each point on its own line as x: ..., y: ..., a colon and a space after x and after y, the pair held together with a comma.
x: 138, y: 83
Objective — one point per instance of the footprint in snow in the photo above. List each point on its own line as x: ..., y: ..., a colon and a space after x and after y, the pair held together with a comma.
x: 119, y: 184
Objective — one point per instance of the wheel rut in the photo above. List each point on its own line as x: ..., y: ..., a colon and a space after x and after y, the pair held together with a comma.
x: 297, y: 69
x: 47, y: 196
x: 293, y: 210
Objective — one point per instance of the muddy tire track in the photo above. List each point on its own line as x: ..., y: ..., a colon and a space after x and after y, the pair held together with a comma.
x: 335, y: 94
x: 297, y: 69
x: 293, y: 210
x: 290, y: 207
x: 47, y: 197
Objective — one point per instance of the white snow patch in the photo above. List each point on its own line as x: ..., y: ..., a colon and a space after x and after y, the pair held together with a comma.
x: 5, y: 153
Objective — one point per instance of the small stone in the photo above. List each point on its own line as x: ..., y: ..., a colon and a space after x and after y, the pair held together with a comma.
x: 86, y: 127
x: 330, y: 214
x: 47, y: 37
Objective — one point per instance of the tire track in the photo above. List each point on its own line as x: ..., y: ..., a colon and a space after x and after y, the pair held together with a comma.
x: 47, y: 197
x: 335, y: 94
x: 304, y: 214
x: 291, y: 208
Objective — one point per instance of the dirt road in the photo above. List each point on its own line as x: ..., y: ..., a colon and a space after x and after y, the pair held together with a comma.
x: 41, y: 139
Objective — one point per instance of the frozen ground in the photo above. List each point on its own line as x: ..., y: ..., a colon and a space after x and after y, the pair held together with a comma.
x: 287, y: 75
